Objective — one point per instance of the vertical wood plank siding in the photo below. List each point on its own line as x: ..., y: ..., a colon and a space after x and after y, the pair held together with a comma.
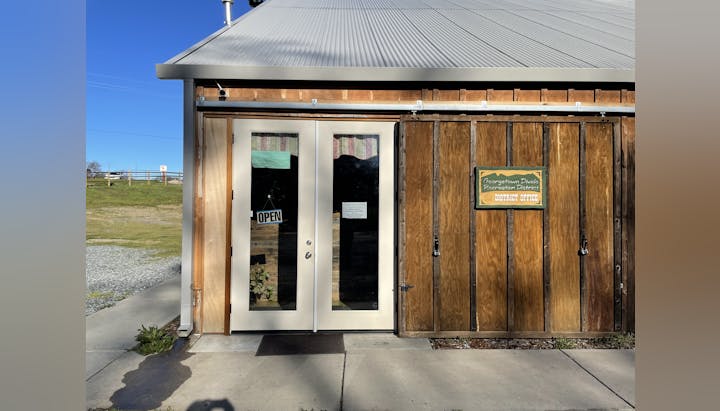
x: 547, y: 290
x: 599, y: 267
x: 437, y: 296
x: 419, y: 227
x: 617, y: 225
x: 215, y: 220
x: 198, y: 229
x: 628, y: 219
x: 471, y: 228
x: 527, y: 150
x: 563, y: 193
x: 454, y: 221
x: 228, y: 221
x: 583, y: 224
x: 491, y: 238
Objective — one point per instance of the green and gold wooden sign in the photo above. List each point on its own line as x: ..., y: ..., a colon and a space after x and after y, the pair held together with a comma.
x: 510, y: 187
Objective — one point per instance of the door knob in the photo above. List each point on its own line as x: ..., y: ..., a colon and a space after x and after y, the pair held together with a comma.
x: 308, y: 255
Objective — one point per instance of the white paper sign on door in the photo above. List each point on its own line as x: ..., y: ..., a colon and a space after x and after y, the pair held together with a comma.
x: 354, y: 210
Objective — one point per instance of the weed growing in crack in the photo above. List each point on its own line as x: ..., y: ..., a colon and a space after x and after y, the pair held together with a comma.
x: 563, y: 343
x: 153, y: 340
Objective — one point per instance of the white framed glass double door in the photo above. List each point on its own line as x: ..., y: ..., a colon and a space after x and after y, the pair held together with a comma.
x: 312, y: 225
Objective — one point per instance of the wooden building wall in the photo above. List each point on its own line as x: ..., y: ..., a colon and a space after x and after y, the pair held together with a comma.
x: 211, y: 271
x: 357, y: 95
x: 509, y: 274
x: 516, y: 272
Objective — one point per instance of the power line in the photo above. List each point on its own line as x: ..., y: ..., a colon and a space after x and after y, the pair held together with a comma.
x: 109, y: 76
x: 140, y: 87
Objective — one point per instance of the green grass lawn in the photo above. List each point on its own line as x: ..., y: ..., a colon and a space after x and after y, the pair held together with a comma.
x: 139, y: 194
x: 143, y: 215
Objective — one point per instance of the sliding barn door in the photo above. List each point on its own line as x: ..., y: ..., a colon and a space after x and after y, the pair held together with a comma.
x: 509, y: 271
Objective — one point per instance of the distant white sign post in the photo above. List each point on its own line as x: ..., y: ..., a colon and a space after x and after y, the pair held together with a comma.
x: 163, y: 170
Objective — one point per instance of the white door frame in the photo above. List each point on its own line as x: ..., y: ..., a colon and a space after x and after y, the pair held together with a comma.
x: 241, y: 318
x: 314, y: 275
x: 383, y: 317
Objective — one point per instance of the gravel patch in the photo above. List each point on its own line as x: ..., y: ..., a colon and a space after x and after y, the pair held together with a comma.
x: 617, y: 341
x: 114, y: 273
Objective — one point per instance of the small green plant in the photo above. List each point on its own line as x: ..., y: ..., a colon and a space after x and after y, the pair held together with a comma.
x: 153, y: 340
x: 621, y: 340
x: 258, y: 283
x: 563, y: 343
x: 98, y: 295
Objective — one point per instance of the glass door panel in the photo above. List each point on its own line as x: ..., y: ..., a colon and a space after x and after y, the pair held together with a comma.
x: 356, y: 172
x: 355, y: 203
x: 312, y: 225
x: 273, y: 225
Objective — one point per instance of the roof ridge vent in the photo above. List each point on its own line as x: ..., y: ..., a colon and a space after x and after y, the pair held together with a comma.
x: 228, y: 15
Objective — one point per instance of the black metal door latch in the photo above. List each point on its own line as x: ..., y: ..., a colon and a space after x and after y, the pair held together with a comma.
x: 583, y: 247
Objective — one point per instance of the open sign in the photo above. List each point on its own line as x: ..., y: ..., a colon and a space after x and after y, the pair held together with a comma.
x: 269, y: 217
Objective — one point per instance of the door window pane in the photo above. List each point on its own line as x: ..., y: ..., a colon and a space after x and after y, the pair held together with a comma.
x: 355, y: 222
x: 273, y: 226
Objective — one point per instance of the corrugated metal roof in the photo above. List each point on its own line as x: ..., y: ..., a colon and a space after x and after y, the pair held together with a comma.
x: 416, y: 40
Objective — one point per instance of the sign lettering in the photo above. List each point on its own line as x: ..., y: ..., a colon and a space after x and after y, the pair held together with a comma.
x: 510, y: 187
x: 269, y: 217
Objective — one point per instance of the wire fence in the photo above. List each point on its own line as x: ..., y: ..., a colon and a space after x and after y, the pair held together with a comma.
x: 133, y: 177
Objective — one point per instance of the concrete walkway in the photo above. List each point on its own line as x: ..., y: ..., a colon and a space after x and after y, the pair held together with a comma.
x: 110, y: 332
x: 376, y: 372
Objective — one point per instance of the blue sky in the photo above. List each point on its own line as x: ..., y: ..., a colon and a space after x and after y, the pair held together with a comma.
x: 134, y: 120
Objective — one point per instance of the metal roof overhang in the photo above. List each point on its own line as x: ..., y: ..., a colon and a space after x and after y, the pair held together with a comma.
x: 395, y: 74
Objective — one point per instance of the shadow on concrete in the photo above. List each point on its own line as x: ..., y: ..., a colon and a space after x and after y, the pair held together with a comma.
x: 154, y: 381
x: 211, y: 405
